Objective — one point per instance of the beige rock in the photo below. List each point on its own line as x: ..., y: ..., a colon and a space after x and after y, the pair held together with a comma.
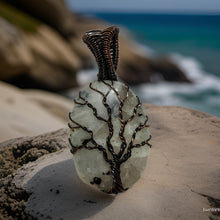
x: 55, y: 63
x: 54, y: 13
x: 48, y: 44
x: 15, y: 56
x: 32, y: 112
x: 41, y: 59
x: 181, y: 179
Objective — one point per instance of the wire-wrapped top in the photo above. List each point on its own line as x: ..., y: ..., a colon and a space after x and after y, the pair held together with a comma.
x: 104, y: 46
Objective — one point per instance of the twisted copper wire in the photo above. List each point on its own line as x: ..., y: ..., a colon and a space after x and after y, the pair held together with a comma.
x: 104, y: 46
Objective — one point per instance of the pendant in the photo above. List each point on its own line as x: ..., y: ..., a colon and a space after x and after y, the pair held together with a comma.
x: 109, y: 134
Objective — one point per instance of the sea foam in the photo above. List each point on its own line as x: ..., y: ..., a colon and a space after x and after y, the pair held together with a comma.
x: 203, y: 94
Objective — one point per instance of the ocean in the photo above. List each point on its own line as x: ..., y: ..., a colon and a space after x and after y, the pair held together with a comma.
x: 192, y: 42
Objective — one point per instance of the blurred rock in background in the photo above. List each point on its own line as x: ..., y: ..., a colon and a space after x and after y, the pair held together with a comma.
x: 41, y: 47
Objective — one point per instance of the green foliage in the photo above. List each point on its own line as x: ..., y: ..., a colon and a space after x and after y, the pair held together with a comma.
x: 18, y: 18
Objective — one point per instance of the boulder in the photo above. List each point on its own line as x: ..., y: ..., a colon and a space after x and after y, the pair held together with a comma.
x: 134, y: 68
x: 53, y: 13
x: 33, y: 55
x: 30, y: 112
x: 41, y: 59
x: 58, y: 54
x: 15, y: 56
x: 55, y: 64
x: 180, y: 182
x: 167, y: 70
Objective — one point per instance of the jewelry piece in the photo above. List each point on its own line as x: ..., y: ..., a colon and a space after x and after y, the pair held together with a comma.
x: 109, y: 134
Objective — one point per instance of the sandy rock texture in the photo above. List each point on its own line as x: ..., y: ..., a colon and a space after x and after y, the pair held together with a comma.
x: 14, y: 154
x: 182, y: 175
x: 30, y: 112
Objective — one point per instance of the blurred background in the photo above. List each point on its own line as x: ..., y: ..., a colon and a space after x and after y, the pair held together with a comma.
x: 169, y: 50
x: 186, y: 31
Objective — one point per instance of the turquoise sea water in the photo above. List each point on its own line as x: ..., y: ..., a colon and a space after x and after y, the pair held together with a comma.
x: 193, y: 42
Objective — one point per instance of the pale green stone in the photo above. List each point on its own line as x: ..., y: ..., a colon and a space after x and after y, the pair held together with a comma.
x: 91, y: 164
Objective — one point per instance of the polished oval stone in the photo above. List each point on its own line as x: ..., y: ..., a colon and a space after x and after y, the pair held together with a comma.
x: 109, y: 136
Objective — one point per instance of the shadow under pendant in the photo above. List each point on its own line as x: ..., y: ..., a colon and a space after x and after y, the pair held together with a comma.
x: 109, y: 134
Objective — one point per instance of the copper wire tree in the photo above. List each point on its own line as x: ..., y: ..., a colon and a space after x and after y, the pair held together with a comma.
x: 104, y: 46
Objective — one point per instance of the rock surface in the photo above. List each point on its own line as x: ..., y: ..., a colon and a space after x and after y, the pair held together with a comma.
x: 30, y: 112
x: 34, y: 55
x: 14, y: 154
x: 55, y: 64
x: 53, y: 13
x: 15, y: 56
x: 181, y: 179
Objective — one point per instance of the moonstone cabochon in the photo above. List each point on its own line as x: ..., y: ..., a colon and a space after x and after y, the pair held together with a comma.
x: 89, y: 113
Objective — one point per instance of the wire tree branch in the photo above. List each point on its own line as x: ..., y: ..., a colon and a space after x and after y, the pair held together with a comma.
x: 91, y: 144
x: 104, y: 46
x: 85, y: 142
x: 90, y: 106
